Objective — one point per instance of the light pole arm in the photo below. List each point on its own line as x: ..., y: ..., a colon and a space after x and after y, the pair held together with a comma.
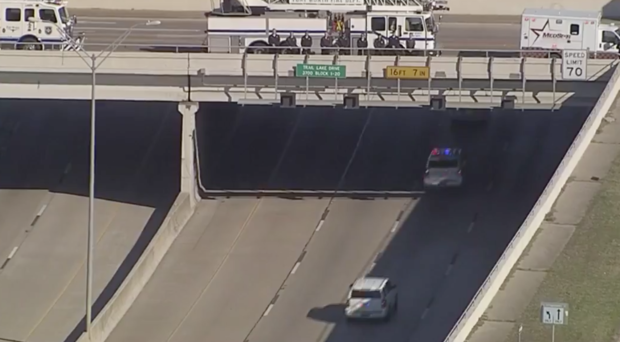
x: 115, y: 44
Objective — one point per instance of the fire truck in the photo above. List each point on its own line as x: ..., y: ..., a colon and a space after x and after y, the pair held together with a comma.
x: 37, y: 25
x: 238, y: 26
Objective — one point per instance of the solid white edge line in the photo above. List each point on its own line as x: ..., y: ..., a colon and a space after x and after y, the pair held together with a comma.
x: 295, y: 267
x: 12, y: 254
x: 396, y: 224
x: 268, y: 310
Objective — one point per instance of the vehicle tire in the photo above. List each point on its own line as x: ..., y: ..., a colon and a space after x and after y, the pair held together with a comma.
x: 29, y: 43
x: 258, y: 49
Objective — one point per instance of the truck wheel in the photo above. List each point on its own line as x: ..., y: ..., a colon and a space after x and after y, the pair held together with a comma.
x: 29, y: 43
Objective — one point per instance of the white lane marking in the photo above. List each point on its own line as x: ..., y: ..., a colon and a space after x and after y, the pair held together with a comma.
x: 318, y: 227
x: 295, y: 267
x: 268, y: 310
x: 140, y: 20
x: 97, y: 22
x: 124, y: 29
x: 42, y: 210
x: 396, y: 224
x: 67, y: 169
x: 12, y: 254
x: 470, y: 228
x: 424, y: 313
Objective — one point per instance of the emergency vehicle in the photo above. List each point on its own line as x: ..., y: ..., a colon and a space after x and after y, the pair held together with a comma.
x: 240, y: 24
x: 557, y: 30
x: 37, y: 25
x: 444, y: 168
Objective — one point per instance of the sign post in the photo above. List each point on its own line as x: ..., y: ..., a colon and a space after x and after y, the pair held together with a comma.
x: 575, y: 64
x: 553, y: 314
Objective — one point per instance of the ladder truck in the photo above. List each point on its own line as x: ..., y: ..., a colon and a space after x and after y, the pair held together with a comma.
x: 243, y: 26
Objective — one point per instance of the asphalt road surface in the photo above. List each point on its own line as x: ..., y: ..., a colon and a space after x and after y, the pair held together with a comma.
x: 43, y: 208
x: 274, y: 269
x: 179, y: 29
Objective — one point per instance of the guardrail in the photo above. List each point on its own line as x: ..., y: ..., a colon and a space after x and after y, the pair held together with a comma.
x: 376, y: 78
x: 315, y: 49
x: 543, y: 205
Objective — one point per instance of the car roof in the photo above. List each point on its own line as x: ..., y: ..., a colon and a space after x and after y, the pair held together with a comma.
x: 369, y: 283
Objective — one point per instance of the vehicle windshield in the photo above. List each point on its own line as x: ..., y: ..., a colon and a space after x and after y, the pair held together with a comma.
x: 443, y: 164
x: 365, y: 294
x: 64, y: 15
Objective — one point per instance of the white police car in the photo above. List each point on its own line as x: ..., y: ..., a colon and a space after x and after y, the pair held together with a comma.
x: 444, y: 168
x: 371, y: 298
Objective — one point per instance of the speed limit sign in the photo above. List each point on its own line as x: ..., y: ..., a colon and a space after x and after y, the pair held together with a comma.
x: 575, y: 64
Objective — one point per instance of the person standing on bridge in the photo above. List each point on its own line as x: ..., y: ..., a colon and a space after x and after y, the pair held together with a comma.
x: 306, y: 43
x: 274, y: 41
x: 411, y: 44
x: 362, y: 45
x: 379, y: 44
x: 326, y: 43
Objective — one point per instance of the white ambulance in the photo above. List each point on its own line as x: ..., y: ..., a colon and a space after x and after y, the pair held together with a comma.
x: 37, y: 25
x: 551, y: 29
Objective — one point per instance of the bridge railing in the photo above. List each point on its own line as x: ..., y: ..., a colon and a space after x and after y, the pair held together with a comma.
x: 265, y: 76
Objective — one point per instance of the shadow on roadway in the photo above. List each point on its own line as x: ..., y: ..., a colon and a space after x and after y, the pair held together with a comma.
x: 44, y: 144
x: 448, y: 242
x: 451, y: 239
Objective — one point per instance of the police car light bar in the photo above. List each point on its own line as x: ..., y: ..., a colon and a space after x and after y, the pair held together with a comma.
x: 442, y: 151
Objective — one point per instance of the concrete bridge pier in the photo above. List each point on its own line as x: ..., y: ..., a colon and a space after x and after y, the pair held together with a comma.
x: 189, y: 182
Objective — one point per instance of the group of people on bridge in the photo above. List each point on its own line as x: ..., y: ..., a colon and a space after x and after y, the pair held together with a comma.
x: 341, y: 44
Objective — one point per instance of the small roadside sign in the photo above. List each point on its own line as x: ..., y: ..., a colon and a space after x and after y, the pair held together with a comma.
x: 320, y: 71
x: 575, y: 65
x: 554, y: 313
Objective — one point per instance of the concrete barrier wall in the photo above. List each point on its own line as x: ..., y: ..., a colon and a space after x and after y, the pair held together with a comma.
x: 513, y: 252
x: 127, y: 293
x: 264, y: 65
x: 537, y: 100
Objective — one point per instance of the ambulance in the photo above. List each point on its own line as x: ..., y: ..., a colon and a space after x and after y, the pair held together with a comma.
x: 552, y: 30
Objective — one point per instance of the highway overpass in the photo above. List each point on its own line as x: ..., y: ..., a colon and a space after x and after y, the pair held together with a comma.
x: 236, y: 255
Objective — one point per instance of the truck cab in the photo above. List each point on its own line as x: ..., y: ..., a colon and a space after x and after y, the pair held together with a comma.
x: 422, y: 26
x: 36, y: 24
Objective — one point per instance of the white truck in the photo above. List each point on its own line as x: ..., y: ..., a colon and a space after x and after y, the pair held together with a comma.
x: 37, y: 25
x: 551, y: 30
x: 246, y: 24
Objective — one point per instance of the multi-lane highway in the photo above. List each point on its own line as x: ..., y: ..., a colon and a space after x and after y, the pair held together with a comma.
x: 43, y: 208
x: 274, y: 269
x: 179, y: 29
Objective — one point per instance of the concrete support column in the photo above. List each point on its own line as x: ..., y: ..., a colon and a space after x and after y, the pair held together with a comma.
x: 189, y: 182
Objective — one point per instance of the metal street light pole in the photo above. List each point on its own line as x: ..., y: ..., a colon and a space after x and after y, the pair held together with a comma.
x: 93, y: 65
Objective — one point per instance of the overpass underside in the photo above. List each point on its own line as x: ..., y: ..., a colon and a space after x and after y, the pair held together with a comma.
x: 297, y: 203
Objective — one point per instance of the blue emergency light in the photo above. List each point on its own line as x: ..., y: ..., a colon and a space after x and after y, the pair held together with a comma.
x: 442, y: 152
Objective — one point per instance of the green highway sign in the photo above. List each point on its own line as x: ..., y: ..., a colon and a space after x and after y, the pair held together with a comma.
x: 320, y: 70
